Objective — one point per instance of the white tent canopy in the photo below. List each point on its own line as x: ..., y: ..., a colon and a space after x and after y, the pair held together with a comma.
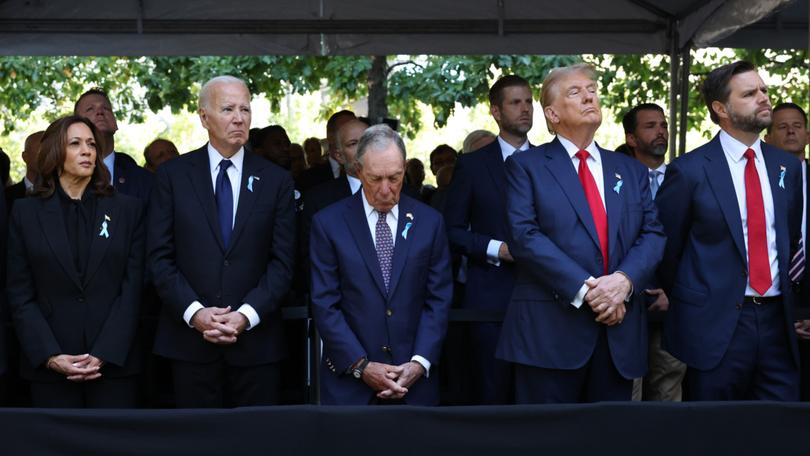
x: 373, y: 27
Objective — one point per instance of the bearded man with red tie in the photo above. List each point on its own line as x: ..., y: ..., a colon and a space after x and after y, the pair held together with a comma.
x: 732, y: 211
x: 587, y: 239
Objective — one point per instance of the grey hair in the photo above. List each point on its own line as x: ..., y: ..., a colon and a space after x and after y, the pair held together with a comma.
x: 473, y: 138
x: 205, y: 91
x: 378, y: 138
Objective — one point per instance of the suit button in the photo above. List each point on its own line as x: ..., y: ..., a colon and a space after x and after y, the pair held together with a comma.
x: 227, y: 263
x: 80, y: 299
x: 738, y: 306
x: 389, y: 312
x: 386, y: 348
x: 219, y: 296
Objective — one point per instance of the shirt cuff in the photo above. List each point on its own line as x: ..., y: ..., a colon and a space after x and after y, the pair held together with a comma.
x: 190, y: 311
x: 580, y: 296
x: 424, y: 362
x: 250, y: 313
x: 493, y: 248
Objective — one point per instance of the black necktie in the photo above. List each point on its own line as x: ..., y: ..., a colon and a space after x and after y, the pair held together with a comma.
x: 224, y: 202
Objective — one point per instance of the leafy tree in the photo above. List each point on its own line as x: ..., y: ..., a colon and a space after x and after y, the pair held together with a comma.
x: 26, y: 83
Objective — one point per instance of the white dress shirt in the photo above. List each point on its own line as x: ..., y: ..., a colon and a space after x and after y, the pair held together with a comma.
x: 29, y: 186
x: 335, y: 166
x: 391, y: 220
x: 494, y: 245
x: 235, y: 176
x: 734, y: 151
x: 109, y: 162
x: 594, y: 164
x: 354, y: 183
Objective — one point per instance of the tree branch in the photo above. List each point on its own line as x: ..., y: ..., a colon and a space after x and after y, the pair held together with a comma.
x: 406, y: 62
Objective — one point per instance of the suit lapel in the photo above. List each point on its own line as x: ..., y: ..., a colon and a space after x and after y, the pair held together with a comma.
x: 105, y: 211
x: 355, y: 216
x: 495, y: 166
x: 53, y: 225
x: 559, y: 163
x: 246, y: 196
x: 402, y: 244
x: 719, y: 177
x: 200, y: 176
x: 612, y: 174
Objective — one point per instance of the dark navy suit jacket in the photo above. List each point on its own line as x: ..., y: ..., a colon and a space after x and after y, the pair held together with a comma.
x: 54, y: 312
x: 354, y: 314
x: 557, y: 248
x: 475, y: 214
x: 130, y: 179
x: 188, y: 260
x: 704, y: 270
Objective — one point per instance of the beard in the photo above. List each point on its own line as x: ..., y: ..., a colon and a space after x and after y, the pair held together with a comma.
x: 516, y: 128
x: 653, y: 149
x: 750, y: 123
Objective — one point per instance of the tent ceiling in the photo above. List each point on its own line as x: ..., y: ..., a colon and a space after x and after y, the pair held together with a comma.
x: 365, y: 27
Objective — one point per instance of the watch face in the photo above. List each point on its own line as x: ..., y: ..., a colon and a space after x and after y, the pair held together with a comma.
x: 357, y: 373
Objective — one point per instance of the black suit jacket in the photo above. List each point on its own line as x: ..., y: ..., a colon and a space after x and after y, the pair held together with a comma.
x: 189, y: 263
x: 54, y: 312
x: 14, y: 193
x: 314, y: 176
x: 130, y: 179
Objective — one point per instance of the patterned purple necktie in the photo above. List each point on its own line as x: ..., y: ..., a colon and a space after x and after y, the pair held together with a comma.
x: 385, y: 247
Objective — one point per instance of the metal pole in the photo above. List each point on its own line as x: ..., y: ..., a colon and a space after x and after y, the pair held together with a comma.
x: 673, y: 87
x: 686, y: 55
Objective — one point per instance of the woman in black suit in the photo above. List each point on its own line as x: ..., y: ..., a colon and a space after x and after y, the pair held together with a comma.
x: 75, y: 266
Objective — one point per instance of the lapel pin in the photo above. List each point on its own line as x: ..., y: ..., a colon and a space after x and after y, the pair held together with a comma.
x: 122, y: 180
x: 104, y: 233
x: 409, y: 216
x: 618, y: 187
x: 405, y: 231
x: 782, y: 171
x: 250, y: 182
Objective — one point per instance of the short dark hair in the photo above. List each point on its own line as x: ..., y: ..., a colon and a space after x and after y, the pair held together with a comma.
x: 52, y: 154
x: 630, y: 119
x: 715, y: 86
x: 788, y: 105
x: 93, y: 91
x: 510, y: 80
x: 330, y: 124
x: 442, y: 148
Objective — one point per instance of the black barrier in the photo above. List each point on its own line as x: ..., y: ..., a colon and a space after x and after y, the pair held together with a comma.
x: 662, y: 429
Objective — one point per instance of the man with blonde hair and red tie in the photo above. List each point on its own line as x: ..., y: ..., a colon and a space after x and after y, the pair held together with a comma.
x: 586, y: 240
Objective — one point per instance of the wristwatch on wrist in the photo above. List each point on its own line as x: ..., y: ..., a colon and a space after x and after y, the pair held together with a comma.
x: 359, y: 367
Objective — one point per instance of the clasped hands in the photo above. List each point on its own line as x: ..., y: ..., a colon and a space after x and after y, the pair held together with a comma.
x: 219, y: 325
x: 77, y: 368
x: 606, y: 297
x: 392, y: 382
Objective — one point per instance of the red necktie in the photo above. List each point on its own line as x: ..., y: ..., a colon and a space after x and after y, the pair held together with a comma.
x: 595, y: 203
x: 759, y: 268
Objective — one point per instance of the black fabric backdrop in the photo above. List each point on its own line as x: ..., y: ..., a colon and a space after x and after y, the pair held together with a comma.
x: 629, y: 428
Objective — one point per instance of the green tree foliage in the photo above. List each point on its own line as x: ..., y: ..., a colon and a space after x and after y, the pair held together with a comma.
x: 27, y: 83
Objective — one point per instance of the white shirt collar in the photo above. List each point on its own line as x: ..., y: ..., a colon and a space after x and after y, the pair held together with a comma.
x: 28, y: 184
x: 572, y: 149
x: 214, y: 157
x: 735, y: 149
x: 661, y: 169
x: 394, y: 212
x: 508, y: 149
x: 109, y: 162
x: 335, y: 166
x: 354, y: 184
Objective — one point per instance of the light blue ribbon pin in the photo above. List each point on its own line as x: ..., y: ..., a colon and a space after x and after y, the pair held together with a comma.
x: 405, y: 231
x: 250, y: 182
x: 782, y: 172
x: 104, y: 233
x: 618, y: 187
